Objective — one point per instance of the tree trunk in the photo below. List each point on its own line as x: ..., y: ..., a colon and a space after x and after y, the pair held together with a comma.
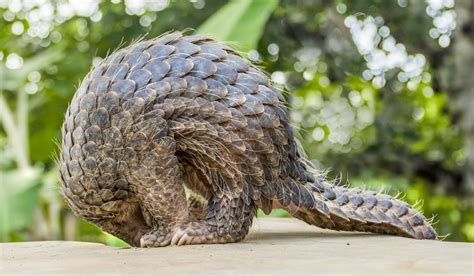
x: 457, y: 78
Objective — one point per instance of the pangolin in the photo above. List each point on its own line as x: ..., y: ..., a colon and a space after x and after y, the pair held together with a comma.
x: 182, y: 111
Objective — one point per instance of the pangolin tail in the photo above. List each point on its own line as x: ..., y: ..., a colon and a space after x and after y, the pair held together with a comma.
x: 351, y: 209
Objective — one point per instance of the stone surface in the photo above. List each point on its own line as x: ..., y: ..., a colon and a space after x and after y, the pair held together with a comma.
x: 275, y: 246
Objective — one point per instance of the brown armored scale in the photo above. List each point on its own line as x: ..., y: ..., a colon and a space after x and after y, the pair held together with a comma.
x: 186, y: 111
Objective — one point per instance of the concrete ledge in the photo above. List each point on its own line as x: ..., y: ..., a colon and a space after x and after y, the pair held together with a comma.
x: 275, y: 246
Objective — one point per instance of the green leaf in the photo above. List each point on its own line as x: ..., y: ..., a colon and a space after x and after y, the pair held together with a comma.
x: 114, y: 241
x: 241, y: 21
x: 18, y: 199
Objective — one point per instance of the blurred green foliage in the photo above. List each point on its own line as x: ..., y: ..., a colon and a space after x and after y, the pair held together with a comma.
x: 239, y: 21
x: 399, y: 137
x: 19, y: 199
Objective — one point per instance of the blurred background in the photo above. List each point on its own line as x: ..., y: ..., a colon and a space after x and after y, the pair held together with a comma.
x: 381, y: 93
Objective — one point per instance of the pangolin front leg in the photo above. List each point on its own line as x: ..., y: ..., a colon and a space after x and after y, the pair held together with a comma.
x: 197, y: 207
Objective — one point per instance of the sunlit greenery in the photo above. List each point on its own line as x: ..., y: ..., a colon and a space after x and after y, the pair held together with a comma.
x: 387, y: 125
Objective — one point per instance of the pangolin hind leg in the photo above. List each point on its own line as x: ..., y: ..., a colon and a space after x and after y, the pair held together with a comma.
x: 227, y: 220
x: 219, y: 226
x: 159, y: 185
x: 157, y: 182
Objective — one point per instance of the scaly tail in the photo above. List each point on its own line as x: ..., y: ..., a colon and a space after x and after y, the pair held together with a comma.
x: 350, y: 209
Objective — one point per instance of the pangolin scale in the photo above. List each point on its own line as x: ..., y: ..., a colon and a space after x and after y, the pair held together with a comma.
x: 186, y: 111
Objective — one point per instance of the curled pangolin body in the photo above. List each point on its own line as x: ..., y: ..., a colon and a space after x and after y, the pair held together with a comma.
x: 181, y: 111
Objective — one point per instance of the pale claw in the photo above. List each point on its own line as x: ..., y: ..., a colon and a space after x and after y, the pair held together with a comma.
x: 177, y: 234
x: 181, y: 236
x: 185, y: 239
